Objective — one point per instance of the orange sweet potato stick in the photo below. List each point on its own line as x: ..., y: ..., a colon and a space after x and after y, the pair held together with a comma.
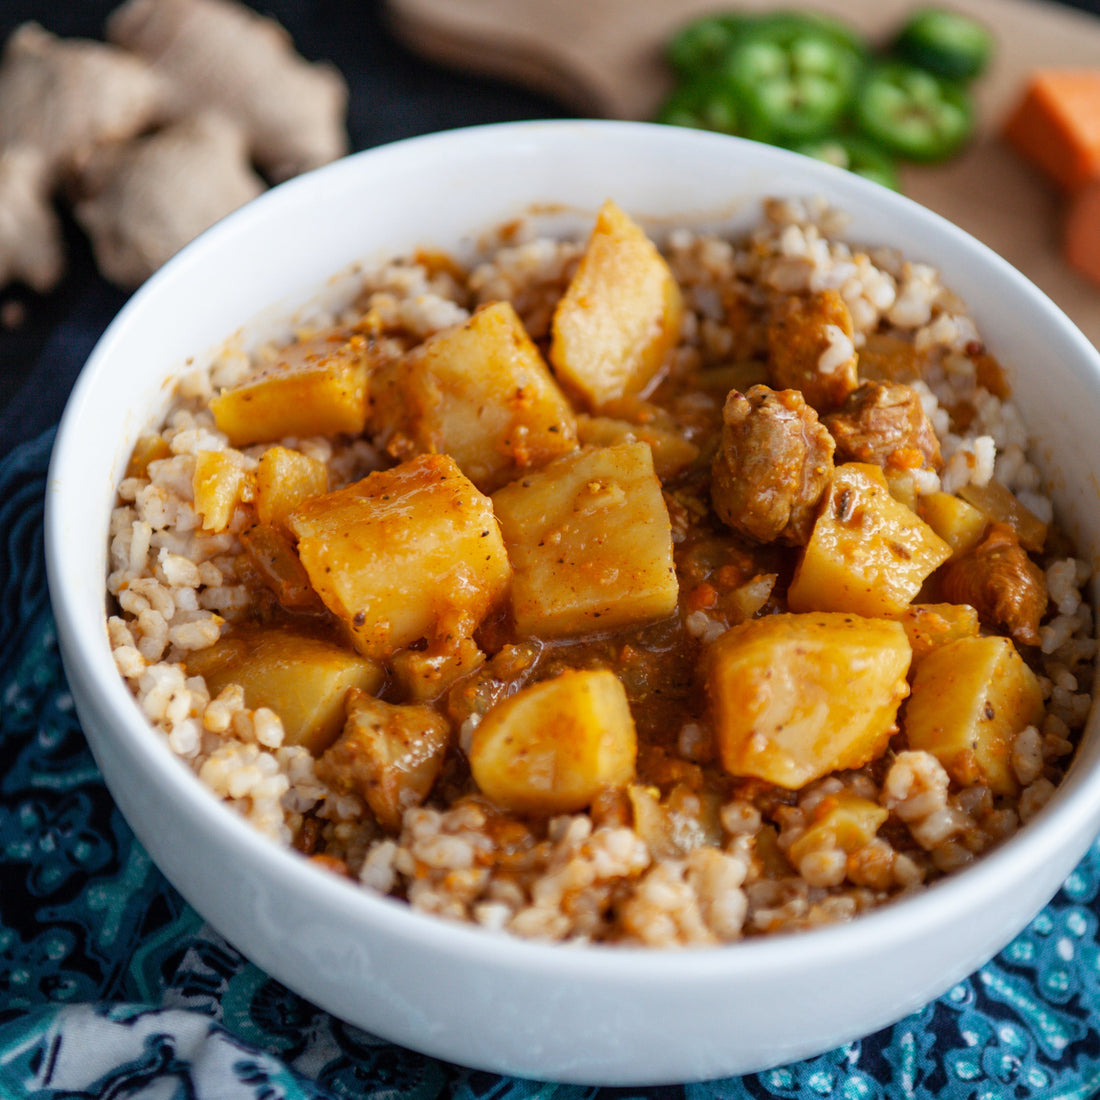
x: 1056, y: 125
x: 1082, y: 230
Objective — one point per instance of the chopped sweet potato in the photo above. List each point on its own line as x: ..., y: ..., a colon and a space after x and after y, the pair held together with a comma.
x: 405, y: 554
x: 1056, y: 125
x: 1082, y: 231
x: 794, y: 697
x: 554, y: 746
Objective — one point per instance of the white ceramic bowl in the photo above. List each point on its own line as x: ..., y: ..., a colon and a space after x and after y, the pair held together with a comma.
x: 595, y: 1015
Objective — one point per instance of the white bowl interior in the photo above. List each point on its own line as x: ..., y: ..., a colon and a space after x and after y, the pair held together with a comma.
x: 595, y: 1015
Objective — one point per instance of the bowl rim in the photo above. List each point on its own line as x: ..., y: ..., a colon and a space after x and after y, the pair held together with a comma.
x: 1072, y: 810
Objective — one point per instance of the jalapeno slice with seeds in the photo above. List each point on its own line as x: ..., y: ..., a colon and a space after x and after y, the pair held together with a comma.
x: 913, y: 113
x: 855, y: 154
x: 705, y: 102
x: 797, y: 77
x: 945, y: 42
x: 703, y: 44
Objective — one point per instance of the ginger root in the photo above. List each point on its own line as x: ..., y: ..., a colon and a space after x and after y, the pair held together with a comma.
x: 220, y: 54
x: 125, y: 130
x: 63, y: 97
x: 31, y: 246
x: 150, y: 197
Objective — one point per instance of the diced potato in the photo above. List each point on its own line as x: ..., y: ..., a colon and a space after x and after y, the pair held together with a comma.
x: 620, y: 315
x: 959, y: 524
x: 674, y: 826
x: 425, y: 674
x: 842, y: 820
x: 868, y: 553
x: 220, y: 483
x: 794, y: 697
x: 275, y: 560
x: 930, y: 625
x: 387, y: 754
x: 590, y: 541
x: 555, y: 745
x: 970, y: 699
x: 148, y: 448
x: 284, y: 479
x: 315, y: 387
x: 998, y: 504
x: 672, y: 453
x: 405, y: 554
x: 481, y: 393
x: 302, y: 678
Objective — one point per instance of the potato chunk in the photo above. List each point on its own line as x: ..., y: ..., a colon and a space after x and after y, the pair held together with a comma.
x: 842, y: 820
x: 868, y: 553
x: 620, y: 315
x: 590, y: 541
x: 554, y: 746
x: 404, y: 554
x: 389, y: 755
x: 672, y: 453
x: 219, y: 484
x: 959, y: 524
x: 284, y: 479
x: 302, y: 678
x: 481, y: 393
x: 970, y: 699
x: 315, y: 387
x: 930, y: 625
x: 794, y: 697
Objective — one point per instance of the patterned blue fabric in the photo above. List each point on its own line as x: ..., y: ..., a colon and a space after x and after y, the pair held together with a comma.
x: 111, y: 986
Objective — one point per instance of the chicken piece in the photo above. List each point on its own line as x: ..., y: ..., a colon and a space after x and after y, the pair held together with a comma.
x: 1001, y: 582
x: 389, y: 755
x: 773, y: 465
x: 885, y: 423
x: 810, y: 348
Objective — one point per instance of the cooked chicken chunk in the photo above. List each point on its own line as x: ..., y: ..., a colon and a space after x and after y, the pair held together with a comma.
x: 1000, y: 581
x: 389, y: 755
x: 774, y: 462
x: 810, y: 348
x: 885, y: 423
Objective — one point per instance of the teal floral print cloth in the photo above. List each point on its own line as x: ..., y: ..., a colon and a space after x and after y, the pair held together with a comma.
x: 111, y: 986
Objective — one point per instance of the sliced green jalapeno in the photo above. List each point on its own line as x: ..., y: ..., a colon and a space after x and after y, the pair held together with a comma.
x: 856, y: 154
x: 796, y: 76
x: 704, y: 43
x: 704, y: 102
x: 945, y: 42
x: 913, y: 113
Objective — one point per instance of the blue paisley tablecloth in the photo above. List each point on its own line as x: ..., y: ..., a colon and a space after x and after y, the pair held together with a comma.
x: 112, y: 986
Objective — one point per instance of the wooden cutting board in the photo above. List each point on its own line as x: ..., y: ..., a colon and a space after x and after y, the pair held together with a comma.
x: 603, y: 58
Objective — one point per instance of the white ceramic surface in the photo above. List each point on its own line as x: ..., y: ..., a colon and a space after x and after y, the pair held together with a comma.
x: 595, y: 1015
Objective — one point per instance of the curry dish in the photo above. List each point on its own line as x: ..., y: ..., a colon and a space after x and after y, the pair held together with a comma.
x: 653, y: 591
